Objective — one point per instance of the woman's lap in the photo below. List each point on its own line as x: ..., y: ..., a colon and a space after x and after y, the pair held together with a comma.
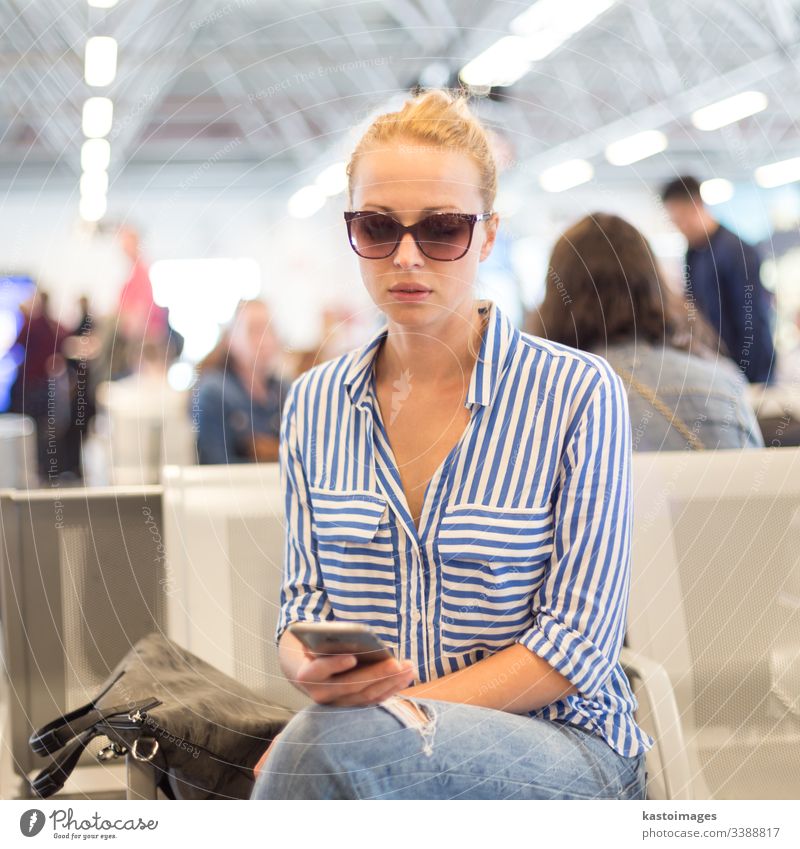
x: 460, y: 752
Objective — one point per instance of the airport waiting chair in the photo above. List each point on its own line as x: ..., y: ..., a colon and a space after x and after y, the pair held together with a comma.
x: 714, y: 621
x: 81, y: 580
x: 142, y: 425
x: 224, y: 535
x: 18, y: 452
x: 224, y: 539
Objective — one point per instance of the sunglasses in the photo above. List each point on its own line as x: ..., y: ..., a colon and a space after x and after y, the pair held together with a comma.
x: 444, y: 236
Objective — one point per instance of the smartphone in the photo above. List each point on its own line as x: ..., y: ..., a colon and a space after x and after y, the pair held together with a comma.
x: 331, y: 638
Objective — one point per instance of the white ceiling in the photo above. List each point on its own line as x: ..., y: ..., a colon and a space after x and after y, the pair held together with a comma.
x: 264, y: 91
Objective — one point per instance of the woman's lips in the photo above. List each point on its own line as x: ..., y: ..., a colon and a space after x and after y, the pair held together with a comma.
x: 401, y: 294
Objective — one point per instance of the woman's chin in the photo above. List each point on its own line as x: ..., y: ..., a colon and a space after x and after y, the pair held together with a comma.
x: 409, y: 312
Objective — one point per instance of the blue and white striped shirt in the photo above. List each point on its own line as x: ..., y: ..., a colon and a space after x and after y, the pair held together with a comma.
x: 524, y: 536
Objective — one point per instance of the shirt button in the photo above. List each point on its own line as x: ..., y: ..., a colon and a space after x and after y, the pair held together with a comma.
x: 416, y: 616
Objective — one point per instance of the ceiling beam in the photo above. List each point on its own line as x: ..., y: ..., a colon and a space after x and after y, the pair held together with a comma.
x: 667, y: 111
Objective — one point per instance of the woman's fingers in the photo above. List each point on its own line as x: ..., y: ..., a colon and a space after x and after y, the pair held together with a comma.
x: 373, y: 695
x: 332, y: 683
x: 318, y: 670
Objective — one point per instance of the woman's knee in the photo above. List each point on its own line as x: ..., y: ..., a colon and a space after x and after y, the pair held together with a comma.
x: 319, y: 750
x: 328, y: 724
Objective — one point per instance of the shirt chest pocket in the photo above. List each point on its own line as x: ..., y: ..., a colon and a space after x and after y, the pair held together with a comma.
x: 493, y: 559
x: 355, y: 554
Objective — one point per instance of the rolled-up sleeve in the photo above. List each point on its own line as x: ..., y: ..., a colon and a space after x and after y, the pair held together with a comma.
x: 581, y: 606
x: 303, y: 596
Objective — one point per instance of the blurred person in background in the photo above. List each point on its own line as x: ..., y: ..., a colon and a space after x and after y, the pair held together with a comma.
x: 138, y: 317
x: 81, y: 350
x: 86, y: 323
x: 339, y: 328
x: 605, y: 294
x: 723, y: 277
x: 146, y: 381
x: 239, y: 396
x: 41, y: 389
x: 142, y: 419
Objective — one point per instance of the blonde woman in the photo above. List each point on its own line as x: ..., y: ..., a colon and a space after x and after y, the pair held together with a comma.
x: 463, y: 489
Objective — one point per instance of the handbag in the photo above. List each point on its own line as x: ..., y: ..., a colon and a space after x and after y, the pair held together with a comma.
x: 202, y: 731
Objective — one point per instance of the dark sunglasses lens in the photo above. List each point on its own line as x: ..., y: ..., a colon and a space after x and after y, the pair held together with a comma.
x: 444, y: 237
x: 373, y: 236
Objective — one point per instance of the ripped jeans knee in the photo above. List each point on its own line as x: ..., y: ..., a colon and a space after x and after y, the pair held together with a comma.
x: 414, y: 714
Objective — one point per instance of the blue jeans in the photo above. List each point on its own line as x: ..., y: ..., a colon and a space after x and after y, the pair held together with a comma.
x: 459, y: 752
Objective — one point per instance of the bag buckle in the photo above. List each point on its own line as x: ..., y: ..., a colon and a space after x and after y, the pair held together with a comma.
x: 145, y: 756
x: 112, y: 752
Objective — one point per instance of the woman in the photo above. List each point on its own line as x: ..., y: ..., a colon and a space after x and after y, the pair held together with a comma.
x: 239, y: 399
x: 465, y: 491
x: 605, y: 294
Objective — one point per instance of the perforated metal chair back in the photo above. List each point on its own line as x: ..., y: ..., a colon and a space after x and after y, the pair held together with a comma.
x: 715, y: 599
x: 225, y: 552
x: 82, y: 580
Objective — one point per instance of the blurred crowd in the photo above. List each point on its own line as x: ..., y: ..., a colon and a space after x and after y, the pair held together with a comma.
x: 686, y: 356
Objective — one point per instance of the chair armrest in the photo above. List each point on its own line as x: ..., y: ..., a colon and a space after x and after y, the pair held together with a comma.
x: 666, y: 719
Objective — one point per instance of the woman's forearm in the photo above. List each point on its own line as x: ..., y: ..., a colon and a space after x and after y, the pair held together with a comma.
x: 514, y: 680
x: 290, y: 655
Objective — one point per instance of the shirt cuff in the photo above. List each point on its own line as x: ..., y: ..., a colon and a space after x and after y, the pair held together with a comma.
x: 569, y: 652
x: 283, y: 624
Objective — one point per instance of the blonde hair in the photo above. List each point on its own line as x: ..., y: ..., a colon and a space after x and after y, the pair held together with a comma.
x: 440, y: 119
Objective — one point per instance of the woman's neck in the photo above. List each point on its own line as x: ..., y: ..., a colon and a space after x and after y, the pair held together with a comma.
x: 440, y: 357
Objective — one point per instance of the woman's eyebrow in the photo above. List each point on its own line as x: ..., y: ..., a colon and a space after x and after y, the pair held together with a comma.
x: 448, y: 207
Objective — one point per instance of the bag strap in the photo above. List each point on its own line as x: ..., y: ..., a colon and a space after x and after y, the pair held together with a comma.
x: 54, y: 776
x: 59, y: 732
x: 41, y: 741
x: 670, y: 415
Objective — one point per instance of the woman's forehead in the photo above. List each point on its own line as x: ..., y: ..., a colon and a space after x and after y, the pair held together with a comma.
x: 415, y: 176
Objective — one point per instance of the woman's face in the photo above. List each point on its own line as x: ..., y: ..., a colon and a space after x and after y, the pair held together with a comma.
x: 409, y: 181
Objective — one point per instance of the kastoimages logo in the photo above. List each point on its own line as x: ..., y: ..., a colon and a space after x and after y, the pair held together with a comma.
x: 31, y: 822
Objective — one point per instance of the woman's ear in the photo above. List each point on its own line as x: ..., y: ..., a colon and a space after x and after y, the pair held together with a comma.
x: 490, y: 234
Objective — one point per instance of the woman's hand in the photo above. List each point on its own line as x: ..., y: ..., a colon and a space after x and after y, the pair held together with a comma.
x: 335, y: 680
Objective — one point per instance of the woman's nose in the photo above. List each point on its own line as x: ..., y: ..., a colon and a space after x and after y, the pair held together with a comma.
x: 408, y: 254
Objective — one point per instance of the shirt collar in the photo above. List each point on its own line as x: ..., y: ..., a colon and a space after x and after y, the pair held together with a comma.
x: 496, y: 346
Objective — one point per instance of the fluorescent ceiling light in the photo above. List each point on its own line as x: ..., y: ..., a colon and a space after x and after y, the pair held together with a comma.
x: 536, y: 34
x: 100, y: 62
x: 94, y: 183
x: 501, y: 64
x: 549, y: 23
x: 333, y: 179
x: 729, y: 110
x: 98, y: 115
x: 567, y: 175
x: 306, y: 201
x: 636, y: 147
x: 93, y: 207
x: 716, y: 191
x: 95, y: 155
x: 102, y: 4
x: 778, y: 173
